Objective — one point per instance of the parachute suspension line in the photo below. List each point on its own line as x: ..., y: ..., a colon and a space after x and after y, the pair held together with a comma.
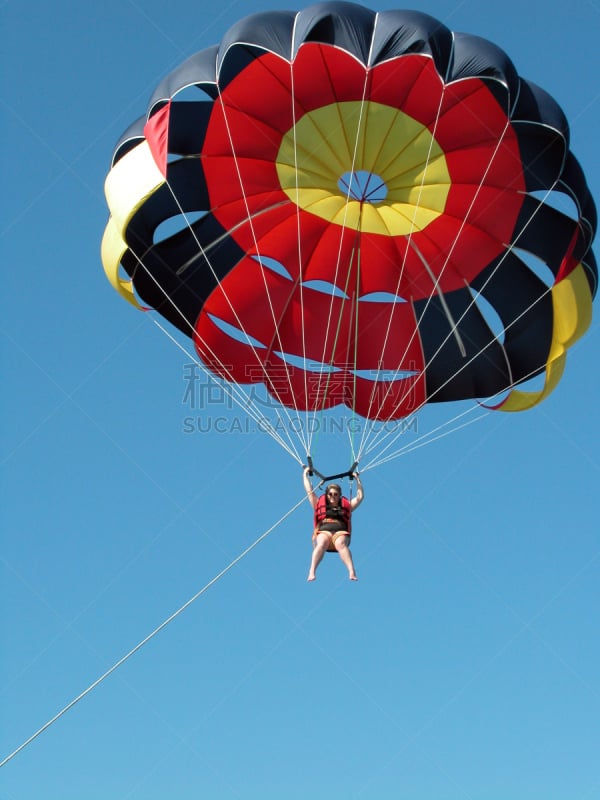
x: 249, y: 217
x: 300, y: 262
x: 240, y: 398
x: 440, y: 294
x: 478, y: 294
x: 203, y: 253
x: 453, y: 325
x: 421, y: 441
x: 429, y: 437
x: 366, y: 433
x: 477, y: 405
x: 531, y: 374
x: 249, y: 403
x: 343, y: 228
x: 153, y: 633
x: 352, y: 430
x: 336, y: 337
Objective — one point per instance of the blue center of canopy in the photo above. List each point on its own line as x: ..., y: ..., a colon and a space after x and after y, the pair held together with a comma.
x: 364, y: 186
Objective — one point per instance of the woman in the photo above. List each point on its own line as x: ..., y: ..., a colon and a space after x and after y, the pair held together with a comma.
x: 333, y: 524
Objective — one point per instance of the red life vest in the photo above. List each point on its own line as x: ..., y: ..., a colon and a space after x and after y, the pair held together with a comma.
x: 321, y: 512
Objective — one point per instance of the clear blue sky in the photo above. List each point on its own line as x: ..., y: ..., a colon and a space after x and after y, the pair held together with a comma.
x: 464, y: 663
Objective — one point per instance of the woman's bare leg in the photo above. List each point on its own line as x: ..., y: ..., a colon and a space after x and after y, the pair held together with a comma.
x: 341, y: 545
x: 322, y: 542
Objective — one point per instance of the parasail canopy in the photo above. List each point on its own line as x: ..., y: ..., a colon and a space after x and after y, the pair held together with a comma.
x: 357, y: 208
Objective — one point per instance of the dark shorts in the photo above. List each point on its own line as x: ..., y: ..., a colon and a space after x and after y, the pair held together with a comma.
x: 334, y: 527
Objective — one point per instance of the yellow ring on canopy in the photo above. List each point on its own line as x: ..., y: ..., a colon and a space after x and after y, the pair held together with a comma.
x: 131, y: 181
x: 352, y: 137
x: 572, y: 306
